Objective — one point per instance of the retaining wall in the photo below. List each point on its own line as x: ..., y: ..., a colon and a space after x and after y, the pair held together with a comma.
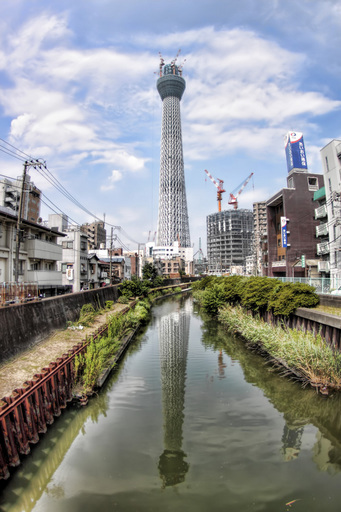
x: 306, y: 319
x: 330, y: 300
x: 23, y: 325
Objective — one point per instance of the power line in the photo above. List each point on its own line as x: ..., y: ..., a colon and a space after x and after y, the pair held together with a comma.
x: 17, y: 149
x: 4, y: 150
x: 47, y: 174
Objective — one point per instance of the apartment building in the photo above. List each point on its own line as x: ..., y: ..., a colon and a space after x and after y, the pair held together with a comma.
x: 331, y: 162
x: 38, y: 255
x: 291, y: 226
x: 97, y: 235
x: 10, y: 192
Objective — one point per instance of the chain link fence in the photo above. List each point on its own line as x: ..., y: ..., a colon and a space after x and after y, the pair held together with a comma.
x: 321, y: 285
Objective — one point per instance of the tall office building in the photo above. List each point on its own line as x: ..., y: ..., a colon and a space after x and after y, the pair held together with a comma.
x: 173, y: 224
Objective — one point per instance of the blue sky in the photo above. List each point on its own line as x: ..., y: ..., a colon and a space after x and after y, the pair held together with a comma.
x: 78, y: 89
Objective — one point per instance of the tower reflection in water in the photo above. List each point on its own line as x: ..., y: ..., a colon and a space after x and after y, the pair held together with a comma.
x: 173, y: 336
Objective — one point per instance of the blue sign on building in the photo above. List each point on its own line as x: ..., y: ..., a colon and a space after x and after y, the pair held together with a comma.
x: 295, y: 151
x: 284, y: 232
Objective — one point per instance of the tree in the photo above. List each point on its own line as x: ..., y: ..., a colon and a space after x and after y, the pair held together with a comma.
x: 149, y: 272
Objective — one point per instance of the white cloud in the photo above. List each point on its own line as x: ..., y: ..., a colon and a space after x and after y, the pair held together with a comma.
x: 113, y: 178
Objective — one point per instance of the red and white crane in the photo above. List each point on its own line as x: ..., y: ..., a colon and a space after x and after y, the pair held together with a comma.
x: 237, y: 191
x: 219, y: 184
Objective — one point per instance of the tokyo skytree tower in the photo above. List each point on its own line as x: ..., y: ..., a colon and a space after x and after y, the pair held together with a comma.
x: 173, y: 222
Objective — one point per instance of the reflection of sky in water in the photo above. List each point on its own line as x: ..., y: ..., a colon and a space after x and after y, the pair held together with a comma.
x: 232, y: 435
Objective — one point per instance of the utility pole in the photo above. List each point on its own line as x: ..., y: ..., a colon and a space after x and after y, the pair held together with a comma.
x: 17, y: 236
x: 27, y: 164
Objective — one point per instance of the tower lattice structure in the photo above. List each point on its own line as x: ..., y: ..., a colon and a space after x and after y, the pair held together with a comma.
x: 173, y: 224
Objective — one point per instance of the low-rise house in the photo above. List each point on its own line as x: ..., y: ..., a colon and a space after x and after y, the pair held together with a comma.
x: 94, y: 272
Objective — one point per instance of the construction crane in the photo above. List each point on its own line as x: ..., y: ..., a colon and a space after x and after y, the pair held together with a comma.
x: 219, y: 184
x: 234, y: 194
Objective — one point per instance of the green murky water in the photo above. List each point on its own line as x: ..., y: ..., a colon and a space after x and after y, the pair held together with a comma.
x: 189, y: 421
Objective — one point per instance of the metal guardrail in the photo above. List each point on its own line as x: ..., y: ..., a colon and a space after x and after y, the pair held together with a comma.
x: 321, y: 285
x: 11, y: 293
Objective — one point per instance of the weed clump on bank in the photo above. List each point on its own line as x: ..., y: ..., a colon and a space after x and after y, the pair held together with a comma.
x: 303, y: 355
x: 89, y: 366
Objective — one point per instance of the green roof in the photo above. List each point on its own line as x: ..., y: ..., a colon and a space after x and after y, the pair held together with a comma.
x: 320, y: 194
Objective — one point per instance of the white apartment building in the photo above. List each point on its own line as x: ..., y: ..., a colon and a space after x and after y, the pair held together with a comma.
x: 74, y: 263
x: 38, y: 255
x: 331, y: 162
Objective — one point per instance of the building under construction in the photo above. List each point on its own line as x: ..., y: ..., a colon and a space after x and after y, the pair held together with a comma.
x: 229, y: 239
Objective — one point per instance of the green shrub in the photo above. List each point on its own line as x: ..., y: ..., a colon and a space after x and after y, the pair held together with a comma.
x: 213, y: 299
x: 109, y: 304
x: 286, y: 297
x: 135, y: 288
x: 87, y: 315
x: 123, y: 300
x: 158, y: 281
x: 256, y: 292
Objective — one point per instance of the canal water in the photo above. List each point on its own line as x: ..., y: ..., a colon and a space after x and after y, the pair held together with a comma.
x: 189, y: 421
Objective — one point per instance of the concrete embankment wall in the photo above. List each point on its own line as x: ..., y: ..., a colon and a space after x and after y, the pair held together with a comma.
x: 23, y: 325
x: 333, y: 301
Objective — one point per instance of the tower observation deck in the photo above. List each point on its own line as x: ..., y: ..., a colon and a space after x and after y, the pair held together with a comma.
x: 173, y: 224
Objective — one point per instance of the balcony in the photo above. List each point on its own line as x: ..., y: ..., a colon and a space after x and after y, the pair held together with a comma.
x: 280, y: 263
x: 321, y: 212
x: 323, y: 266
x: 45, y: 277
x: 323, y: 248
x: 43, y: 250
x: 322, y: 230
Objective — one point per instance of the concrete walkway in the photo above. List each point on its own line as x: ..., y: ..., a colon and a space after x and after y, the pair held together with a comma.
x: 22, y: 367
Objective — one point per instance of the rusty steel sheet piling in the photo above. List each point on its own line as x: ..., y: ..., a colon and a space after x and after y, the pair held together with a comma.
x: 30, y: 409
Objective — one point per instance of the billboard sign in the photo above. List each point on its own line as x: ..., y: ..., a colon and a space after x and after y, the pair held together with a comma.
x: 295, y: 151
x: 69, y: 274
x: 284, y: 232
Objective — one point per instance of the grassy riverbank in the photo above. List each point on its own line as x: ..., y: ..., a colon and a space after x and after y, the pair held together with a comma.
x: 90, y: 365
x: 101, y: 352
x: 304, y: 356
x: 301, y: 355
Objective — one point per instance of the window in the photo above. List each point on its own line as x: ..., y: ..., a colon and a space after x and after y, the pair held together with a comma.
x: 67, y: 245
x: 291, y: 182
x: 313, y: 184
x: 327, y: 165
x: 64, y: 266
